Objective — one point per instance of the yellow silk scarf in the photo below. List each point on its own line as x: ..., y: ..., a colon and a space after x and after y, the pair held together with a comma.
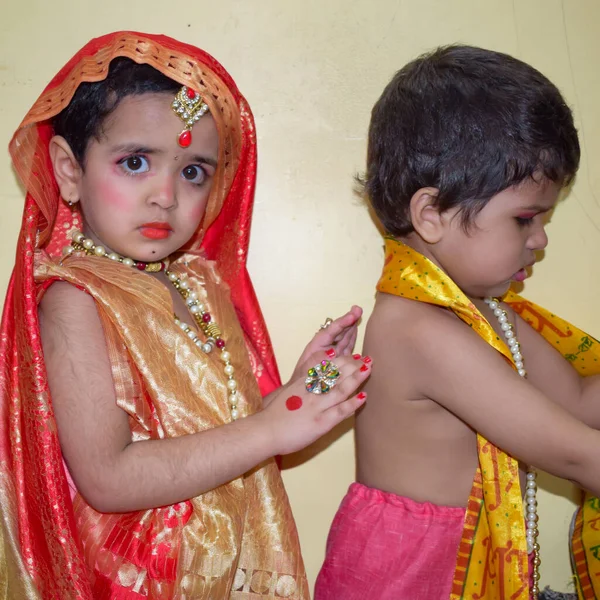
x: 492, y: 561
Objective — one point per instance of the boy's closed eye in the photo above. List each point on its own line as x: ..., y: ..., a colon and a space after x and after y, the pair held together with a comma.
x: 525, y: 219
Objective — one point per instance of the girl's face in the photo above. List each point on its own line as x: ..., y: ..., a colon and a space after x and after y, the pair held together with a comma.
x: 141, y: 194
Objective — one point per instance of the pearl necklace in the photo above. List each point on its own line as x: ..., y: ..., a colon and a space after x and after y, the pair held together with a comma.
x: 81, y: 243
x: 531, y: 487
x: 198, y: 310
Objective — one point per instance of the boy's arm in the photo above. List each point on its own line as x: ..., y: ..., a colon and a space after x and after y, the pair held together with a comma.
x: 115, y: 474
x: 460, y: 371
x: 555, y: 377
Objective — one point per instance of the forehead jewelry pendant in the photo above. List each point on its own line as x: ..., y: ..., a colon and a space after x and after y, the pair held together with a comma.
x: 189, y: 106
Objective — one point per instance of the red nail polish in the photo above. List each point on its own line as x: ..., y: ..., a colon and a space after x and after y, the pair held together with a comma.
x: 361, y: 396
x: 367, y: 359
x: 364, y: 368
x: 330, y: 353
x: 356, y: 356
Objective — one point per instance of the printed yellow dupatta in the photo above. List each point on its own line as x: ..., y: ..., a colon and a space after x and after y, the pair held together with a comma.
x: 492, y: 561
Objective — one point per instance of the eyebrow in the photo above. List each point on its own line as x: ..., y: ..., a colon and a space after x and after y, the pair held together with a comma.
x: 138, y: 149
x: 134, y: 149
x: 537, y: 208
x: 204, y: 159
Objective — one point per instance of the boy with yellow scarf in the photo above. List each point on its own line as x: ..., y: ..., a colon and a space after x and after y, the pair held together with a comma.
x: 475, y: 387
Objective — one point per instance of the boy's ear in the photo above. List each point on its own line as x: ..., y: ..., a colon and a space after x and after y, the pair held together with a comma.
x: 67, y: 170
x: 425, y: 215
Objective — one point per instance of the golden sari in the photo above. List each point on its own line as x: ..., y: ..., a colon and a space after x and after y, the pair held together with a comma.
x: 492, y: 561
x: 237, y: 541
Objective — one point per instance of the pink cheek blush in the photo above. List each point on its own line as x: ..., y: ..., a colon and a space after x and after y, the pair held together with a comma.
x: 196, y: 213
x: 113, y: 193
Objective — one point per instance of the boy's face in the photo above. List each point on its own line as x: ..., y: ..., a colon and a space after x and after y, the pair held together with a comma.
x: 142, y: 195
x: 502, y: 240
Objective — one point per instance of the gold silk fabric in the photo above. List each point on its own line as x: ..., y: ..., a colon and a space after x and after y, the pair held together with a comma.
x: 492, y: 560
x: 237, y: 541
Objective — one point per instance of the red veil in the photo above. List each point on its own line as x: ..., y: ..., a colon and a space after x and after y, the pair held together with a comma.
x: 39, y: 553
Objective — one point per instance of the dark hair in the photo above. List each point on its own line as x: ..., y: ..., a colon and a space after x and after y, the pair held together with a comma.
x: 469, y: 122
x: 92, y: 103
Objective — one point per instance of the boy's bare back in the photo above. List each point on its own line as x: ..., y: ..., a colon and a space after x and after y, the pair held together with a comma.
x: 409, y: 442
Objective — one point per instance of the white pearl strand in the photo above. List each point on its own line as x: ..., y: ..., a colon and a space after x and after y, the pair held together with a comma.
x: 209, y: 327
x: 531, y: 487
x: 199, y: 312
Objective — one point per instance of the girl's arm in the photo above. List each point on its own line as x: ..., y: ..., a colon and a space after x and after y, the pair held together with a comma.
x: 115, y: 474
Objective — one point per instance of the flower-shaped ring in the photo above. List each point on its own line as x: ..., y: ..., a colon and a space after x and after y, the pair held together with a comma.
x: 322, y: 377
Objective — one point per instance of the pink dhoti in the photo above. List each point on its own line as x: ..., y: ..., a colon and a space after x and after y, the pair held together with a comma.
x: 386, y: 547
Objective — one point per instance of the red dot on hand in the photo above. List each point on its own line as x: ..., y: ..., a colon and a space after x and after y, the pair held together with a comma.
x: 293, y: 403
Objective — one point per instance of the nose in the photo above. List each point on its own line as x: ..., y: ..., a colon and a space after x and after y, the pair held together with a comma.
x: 164, y: 192
x: 538, y: 239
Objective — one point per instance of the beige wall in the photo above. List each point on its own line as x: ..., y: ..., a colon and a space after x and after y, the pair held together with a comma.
x: 311, y: 71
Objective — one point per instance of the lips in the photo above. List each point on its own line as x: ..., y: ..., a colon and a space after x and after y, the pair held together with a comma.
x: 156, y: 231
x: 521, y: 274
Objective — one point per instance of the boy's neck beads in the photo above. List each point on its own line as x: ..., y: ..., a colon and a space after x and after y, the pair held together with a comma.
x: 531, y: 489
x: 198, y: 310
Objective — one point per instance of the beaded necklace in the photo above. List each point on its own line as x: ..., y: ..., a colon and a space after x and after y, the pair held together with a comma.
x: 199, y: 310
x: 531, y: 515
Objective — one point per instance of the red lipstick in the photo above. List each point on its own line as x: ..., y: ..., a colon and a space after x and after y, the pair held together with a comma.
x: 156, y: 231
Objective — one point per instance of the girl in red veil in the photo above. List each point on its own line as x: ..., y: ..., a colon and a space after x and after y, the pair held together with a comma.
x: 236, y: 538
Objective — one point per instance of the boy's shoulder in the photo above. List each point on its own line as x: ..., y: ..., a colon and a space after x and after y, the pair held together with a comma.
x: 405, y: 319
x: 415, y: 339
x: 407, y: 339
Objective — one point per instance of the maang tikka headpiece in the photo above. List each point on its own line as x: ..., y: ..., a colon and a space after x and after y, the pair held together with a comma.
x: 189, y: 106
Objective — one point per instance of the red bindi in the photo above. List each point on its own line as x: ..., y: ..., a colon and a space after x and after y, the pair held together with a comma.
x: 293, y: 403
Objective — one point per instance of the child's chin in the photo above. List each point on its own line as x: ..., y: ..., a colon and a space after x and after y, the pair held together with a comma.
x: 499, y: 290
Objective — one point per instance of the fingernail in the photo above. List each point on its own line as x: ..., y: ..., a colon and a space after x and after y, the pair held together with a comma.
x: 330, y: 353
x: 364, y: 368
x: 356, y: 356
x: 361, y: 396
x: 367, y: 359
